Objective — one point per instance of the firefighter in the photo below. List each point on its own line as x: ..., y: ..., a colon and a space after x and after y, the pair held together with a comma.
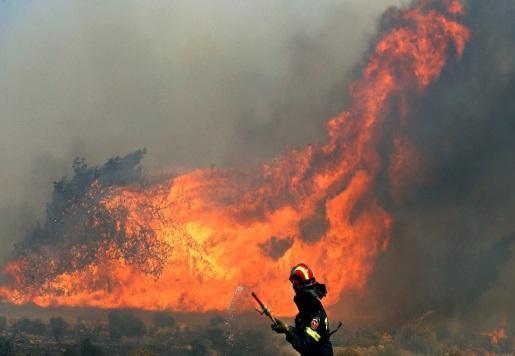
x: 310, y: 335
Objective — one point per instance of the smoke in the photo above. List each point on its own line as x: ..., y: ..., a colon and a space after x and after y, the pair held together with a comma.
x: 197, y: 83
x: 276, y: 247
x: 452, y: 247
x: 227, y: 85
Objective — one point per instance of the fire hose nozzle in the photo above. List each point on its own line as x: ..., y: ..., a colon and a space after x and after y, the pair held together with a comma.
x: 264, y: 309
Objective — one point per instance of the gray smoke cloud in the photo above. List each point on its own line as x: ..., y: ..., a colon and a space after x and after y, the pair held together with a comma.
x: 195, y: 82
x: 453, y: 242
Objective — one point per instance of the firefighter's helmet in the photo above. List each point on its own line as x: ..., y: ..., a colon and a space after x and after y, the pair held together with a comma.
x: 302, y: 276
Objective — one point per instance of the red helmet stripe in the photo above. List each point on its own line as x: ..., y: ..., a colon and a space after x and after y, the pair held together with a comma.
x: 303, y: 270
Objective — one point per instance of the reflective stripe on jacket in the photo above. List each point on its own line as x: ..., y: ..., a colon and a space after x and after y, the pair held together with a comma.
x: 310, y: 336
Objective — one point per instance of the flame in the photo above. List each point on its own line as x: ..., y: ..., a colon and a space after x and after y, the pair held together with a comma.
x: 208, y: 227
x: 496, y: 336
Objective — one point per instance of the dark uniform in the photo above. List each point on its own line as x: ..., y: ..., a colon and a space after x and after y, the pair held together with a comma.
x: 310, y: 336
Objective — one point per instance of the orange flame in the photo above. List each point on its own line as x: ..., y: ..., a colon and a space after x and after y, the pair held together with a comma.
x: 212, y: 225
x: 496, y: 336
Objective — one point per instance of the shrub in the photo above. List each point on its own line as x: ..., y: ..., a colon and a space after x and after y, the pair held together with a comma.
x: 163, y: 320
x: 6, y: 346
x: 30, y: 326
x: 123, y: 323
x: 58, y: 327
x: 88, y: 349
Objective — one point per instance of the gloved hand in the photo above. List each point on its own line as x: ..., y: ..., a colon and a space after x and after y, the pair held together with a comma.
x: 280, y: 327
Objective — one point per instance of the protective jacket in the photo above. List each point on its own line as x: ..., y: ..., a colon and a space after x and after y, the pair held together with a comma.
x: 311, y: 334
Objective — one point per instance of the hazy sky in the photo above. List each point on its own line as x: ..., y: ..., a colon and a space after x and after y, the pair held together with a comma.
x: 195, y: 82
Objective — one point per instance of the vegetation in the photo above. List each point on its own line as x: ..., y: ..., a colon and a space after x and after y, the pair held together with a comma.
x: 29, y: 326
x: 88, y: 349
x: 6, y: 346
x: 123, y: 323
x: 418, y: 339
x: 3, y: 323
x: 127, y: 333
x: 58, y: 327
x: 217, y: 321
x: 163, y: 320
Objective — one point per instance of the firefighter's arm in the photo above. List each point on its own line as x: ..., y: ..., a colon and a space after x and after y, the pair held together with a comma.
x: 308, y: 339
x: 303, y: 340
